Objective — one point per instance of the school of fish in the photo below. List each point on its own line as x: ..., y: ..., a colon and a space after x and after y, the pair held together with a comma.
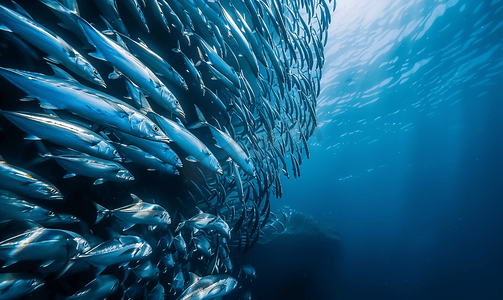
x: 141, y: 141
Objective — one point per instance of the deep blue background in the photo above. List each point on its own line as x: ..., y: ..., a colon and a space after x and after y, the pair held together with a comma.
x: 411, y: 181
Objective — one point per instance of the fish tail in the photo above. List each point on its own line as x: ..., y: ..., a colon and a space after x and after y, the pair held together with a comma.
x: 102, y: 212
x: 202, y: 120
x: 181, y: 224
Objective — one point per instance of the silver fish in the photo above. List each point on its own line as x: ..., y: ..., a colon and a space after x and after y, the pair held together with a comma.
x: 208, y: 287
x: 63, y: 133
x: 64, y: 92
x: 99, y: 288
x: 93, y: 167
x: 205, y: 221
x: 14, y: 207
x: 140, y: 157
x: 26, y: 183
x: 120, y: 250
x: 42, y: 244
x: 226, y: 143
x: 189, y: 143
x: 131, y: 67
x: 15, y: 285
x: 138, y: 212
x: 59, y: 51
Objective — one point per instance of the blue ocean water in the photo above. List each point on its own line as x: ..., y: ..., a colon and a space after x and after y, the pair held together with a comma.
x: 407, y: 163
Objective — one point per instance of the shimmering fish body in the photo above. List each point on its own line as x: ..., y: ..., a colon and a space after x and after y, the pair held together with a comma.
x: 59, y: 51
x: 26, y: 183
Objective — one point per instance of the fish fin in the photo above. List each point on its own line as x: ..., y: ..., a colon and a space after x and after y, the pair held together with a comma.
x: 32, y: 137
x: 193, y: 278
x: 198, y: 124
x: 121, y: 43
x: 141, y: 42
x: 45, y: 264
x: 60, y: 73
x: 70, y: 175
x: 28, y: 98
x: 110, y: 30
x: 191, y: 159
x: 97, y: 55
x: 21, y: 10
x: 181, y: 224
x: 200, y: 115
x: 51, y: 113
x: 65, y: 269
x: 152, y: 227
x: 99, y: 181
x: 140, y: 100
x: 177, y: 49
x: 100, y: 269
x: 9, y: 263
x: 47, y: 105
x: 199, y: 211
x: 125, y: 225
x: 63, y: 25
x: 52, y: 60
x: 179, y: 122
x: 115, y: 74
x: 136, y: 199
x: 102, y: 212
x: 5, y: 28
x: 107, y: 32
x: 150, y: 156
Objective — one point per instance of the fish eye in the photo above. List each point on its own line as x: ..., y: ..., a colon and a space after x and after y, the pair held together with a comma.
x: 155, y: 128
x: 177, y: 102
x: 33, y: 282
x: 95, y: 72
x: 53, y: 191
x: 51, y: 214
x: 115, y: 152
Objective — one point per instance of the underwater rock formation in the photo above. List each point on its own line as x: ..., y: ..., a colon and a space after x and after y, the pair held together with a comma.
x: 142, y: 140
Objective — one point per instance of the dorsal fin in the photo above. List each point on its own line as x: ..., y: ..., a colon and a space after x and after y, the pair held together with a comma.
x: 180, y: 123
x: 110, y: 30
x: 193, y: 278
x: 21, y: 10
x: 177, y: 49
x: 121, y: 43
x: 136, y: 199
x: 141, y: 42
x: 60, y: 73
